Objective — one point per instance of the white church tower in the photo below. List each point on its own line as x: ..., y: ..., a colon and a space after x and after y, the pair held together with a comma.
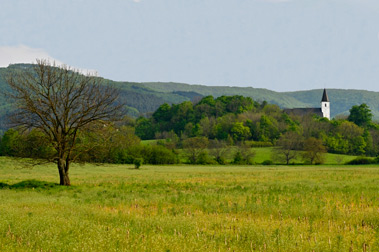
x: 325, y: 105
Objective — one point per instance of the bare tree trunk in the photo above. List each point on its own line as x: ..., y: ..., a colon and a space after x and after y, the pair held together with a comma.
x: 59, y: 101
x: 63, y: 172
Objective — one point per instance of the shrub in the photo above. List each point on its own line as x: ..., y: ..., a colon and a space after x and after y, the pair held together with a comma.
x: 138, y: 162
x: 158, y: 154
x: 361, y: 161
x: 267, y: 162
x: 241, y: 159
x: 244, y: 155
x: 221, y: 160
x: 238, y: 158
x: 204, y: 158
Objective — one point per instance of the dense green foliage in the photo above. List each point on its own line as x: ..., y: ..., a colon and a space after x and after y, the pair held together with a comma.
x: 238, y: 119
x: 189, y: 208
x: 360, y: 115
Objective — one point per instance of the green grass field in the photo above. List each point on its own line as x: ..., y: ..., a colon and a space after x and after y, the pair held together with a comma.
x: 262, y: 154
x: 189, y: 208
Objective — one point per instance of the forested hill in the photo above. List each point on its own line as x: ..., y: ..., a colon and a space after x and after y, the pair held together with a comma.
x: 341, y: 100
x: 147, y: 97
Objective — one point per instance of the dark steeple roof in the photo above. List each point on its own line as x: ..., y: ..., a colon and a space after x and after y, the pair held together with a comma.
x: 325, y: 97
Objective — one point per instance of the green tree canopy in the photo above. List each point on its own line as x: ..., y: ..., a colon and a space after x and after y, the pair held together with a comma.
x: 360, y: 115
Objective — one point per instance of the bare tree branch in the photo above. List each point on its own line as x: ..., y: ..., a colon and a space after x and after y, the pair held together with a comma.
x: 60, y: 101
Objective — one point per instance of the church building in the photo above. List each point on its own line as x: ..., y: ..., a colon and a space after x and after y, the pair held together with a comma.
x: 324, y: 111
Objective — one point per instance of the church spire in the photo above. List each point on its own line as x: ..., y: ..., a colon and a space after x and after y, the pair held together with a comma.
x: 325, y: 97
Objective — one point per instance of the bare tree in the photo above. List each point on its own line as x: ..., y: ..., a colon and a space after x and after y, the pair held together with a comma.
x: 60, y: 101
x: 219, y: 150
x: 314, y: 151
x: 287, y: 147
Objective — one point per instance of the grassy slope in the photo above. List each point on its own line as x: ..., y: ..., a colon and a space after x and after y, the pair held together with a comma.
x: 191, y: 208
x: 262, y: 154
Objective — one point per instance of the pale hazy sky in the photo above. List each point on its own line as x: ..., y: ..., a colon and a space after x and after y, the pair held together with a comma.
x: 281, y: 45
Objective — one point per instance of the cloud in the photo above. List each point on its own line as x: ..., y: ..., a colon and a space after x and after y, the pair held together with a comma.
x: 22, y: 54
x: 137, y: 1
x: 25, y: 54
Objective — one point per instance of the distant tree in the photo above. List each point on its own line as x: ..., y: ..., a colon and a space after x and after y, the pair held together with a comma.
x: 267, y: 129
x: 104, y: 143
x: 219, y: 150
x: 224, y: 125
x: 240, y: 132
x: 182, y: 115
x: 360, y: 115
x: 314, y: 151
x: 336, y: 143
x: 244, y: 155
x: 354, y: 135
x: 194, y: 147
x: 10, y: 143
x: 145, y: 128
x: 159, y: 154
x: 287, y: 147
x: 59, y: 102
x: 163, y: 113
x: 207, y: 127
x: 375, y: 141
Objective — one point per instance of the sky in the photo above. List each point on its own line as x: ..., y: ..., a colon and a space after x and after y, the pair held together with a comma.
x: 281, y: 45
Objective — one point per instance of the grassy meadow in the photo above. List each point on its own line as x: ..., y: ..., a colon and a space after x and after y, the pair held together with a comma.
x: 262, y: 154
x: 189, y: 208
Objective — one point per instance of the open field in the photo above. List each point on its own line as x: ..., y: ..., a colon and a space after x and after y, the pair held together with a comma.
x: 190, y: 208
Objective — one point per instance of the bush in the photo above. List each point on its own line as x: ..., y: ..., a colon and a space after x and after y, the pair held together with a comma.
x: 241, y: 159
x: 204, y: 158
x: 138, y: 162
x: 244, y: 155
x: 267, y: 162
x: 158, y: 154
x: 221, y: 160
x: 238, y: 158
x: 361, y: 161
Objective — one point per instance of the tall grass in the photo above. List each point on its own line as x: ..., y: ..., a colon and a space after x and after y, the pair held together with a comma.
x: 189, y: 208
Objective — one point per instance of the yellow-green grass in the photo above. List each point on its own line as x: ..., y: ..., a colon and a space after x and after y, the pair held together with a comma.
x: 190, y: 208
